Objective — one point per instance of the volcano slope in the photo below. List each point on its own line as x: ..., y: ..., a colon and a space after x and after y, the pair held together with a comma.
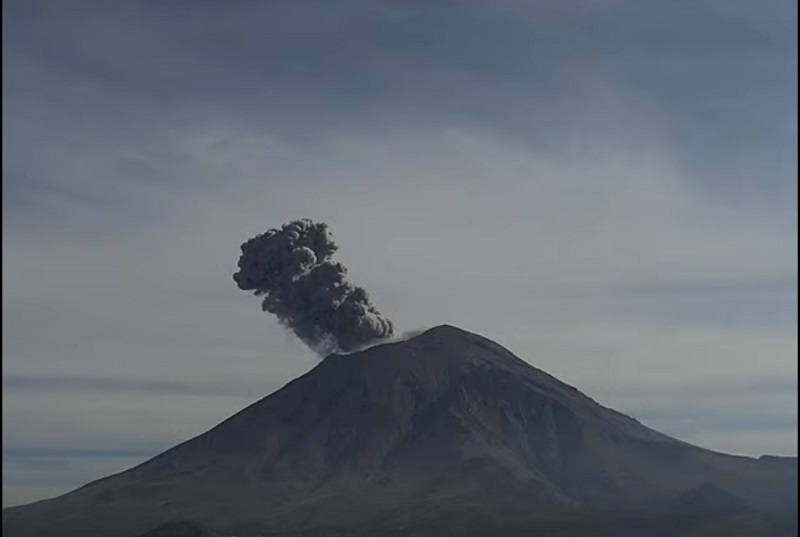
x: 446, y: 433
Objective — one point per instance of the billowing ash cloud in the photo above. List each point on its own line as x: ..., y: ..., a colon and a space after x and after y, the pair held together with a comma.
x: 292, y: 269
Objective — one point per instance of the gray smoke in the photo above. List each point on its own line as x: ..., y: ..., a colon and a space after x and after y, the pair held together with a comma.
x: 291, y: 268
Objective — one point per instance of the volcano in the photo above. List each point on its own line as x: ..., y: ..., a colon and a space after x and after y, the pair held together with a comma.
x: 446, y: 433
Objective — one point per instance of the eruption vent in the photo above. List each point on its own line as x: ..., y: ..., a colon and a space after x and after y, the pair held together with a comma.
x: 291, y: 268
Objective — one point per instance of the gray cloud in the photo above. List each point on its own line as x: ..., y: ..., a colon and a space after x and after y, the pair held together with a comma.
x: 704, y: 77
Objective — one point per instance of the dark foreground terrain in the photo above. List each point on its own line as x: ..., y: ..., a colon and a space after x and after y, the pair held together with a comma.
x: 444, y: 434
x: 578, y: 525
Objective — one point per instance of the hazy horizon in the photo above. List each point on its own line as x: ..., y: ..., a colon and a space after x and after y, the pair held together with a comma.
x: 607, y: 189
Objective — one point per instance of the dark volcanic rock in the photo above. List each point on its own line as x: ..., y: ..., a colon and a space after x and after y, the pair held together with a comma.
x: 180, y: 529
x: 447, y: 430
x: 709, y: 499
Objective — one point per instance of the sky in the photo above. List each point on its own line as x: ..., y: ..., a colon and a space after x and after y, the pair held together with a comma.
x: 606, y: 188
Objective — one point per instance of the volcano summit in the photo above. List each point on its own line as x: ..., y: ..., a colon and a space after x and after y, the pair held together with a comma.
x: 446, y: 433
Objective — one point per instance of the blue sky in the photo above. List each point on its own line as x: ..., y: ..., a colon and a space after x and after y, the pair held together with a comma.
x: 606, y: 188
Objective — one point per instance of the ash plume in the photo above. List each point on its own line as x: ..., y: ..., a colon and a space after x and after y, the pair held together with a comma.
x: 292, y: 269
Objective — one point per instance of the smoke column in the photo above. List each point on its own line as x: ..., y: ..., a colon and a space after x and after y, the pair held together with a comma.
x: 291, y: 268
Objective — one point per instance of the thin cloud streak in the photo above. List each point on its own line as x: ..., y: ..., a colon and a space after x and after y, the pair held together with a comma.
x: 52, y: 383
x: 35, y: 454
x: 779, y: 285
